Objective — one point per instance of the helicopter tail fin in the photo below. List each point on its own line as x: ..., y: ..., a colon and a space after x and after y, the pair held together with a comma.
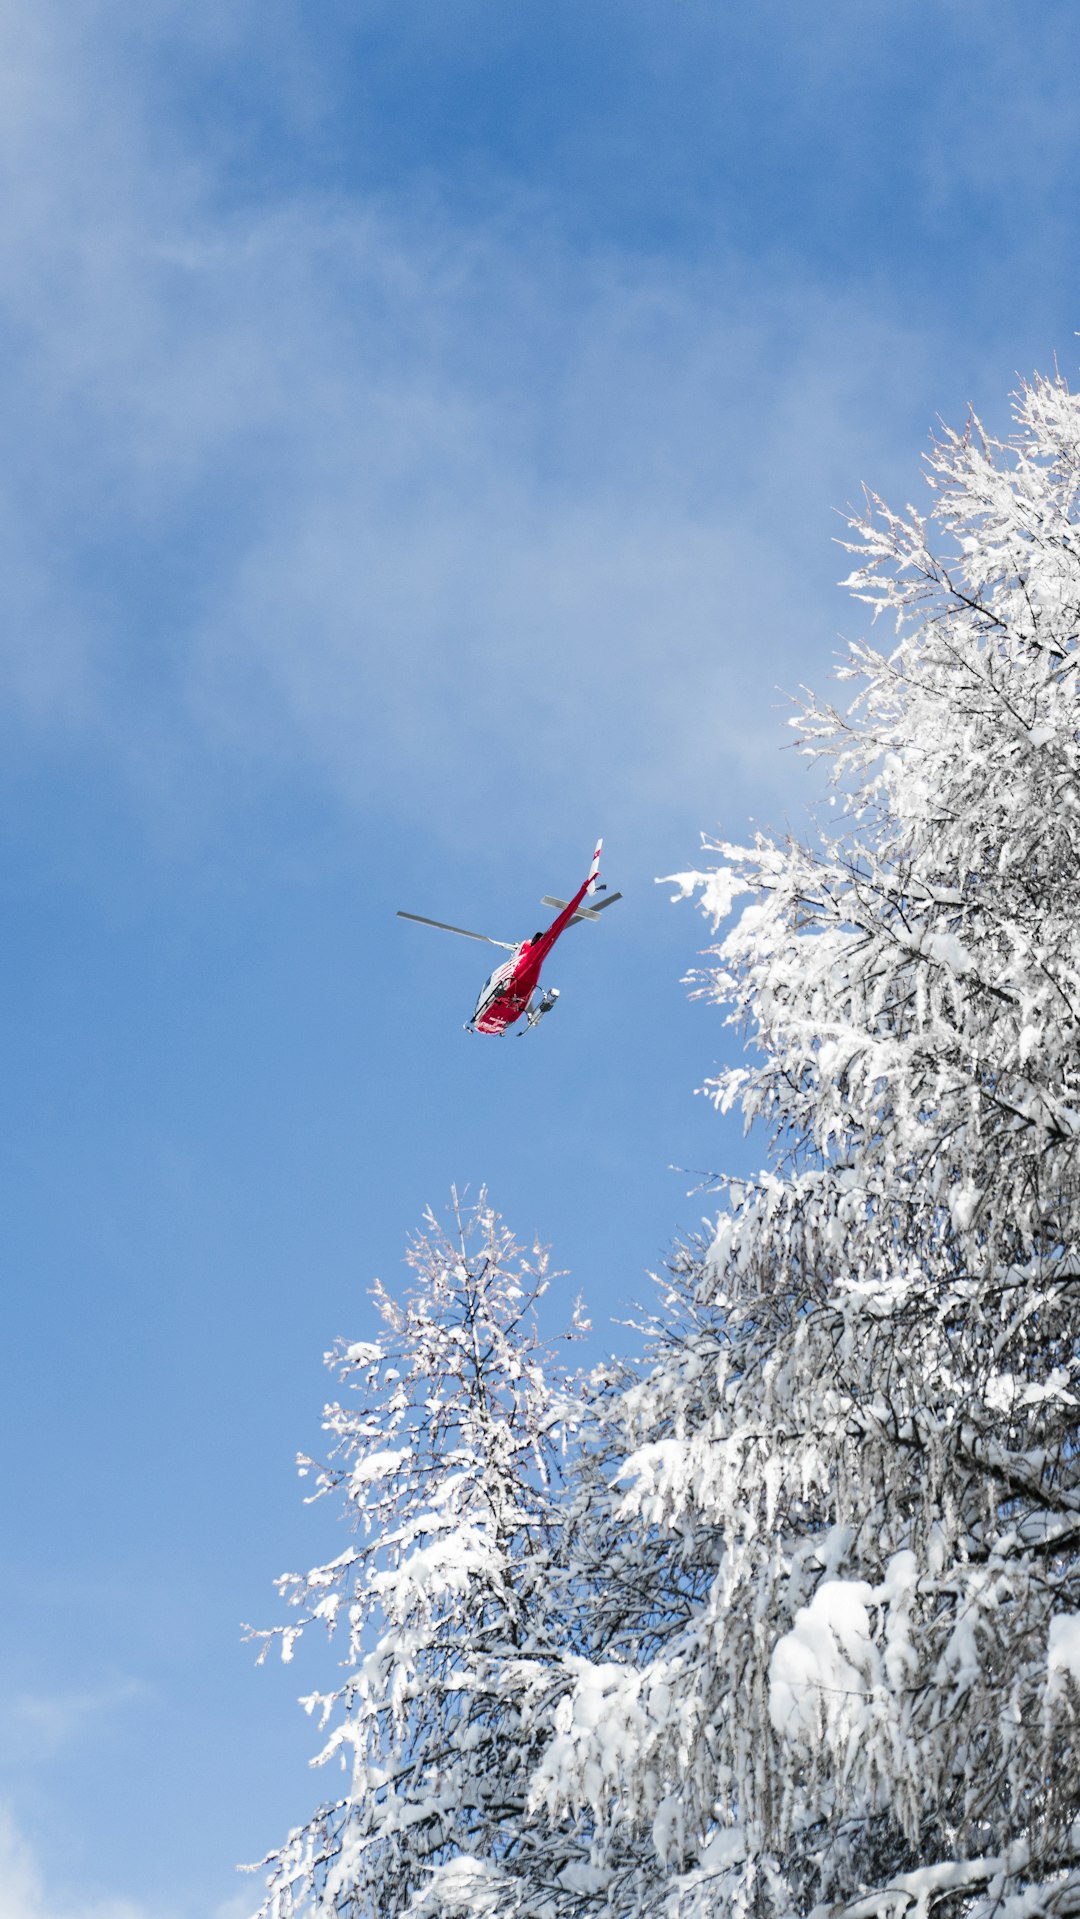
x: 595, y: 867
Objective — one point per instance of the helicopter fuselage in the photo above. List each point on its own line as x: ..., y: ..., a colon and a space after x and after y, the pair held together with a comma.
x: 506, y: 993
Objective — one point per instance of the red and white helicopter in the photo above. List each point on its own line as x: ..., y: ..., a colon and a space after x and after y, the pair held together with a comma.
x: 514, y: 989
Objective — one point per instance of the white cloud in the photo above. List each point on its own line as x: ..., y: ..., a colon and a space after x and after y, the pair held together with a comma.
x: 430, y: 511
x: 24, y: 1893
x: 460, y: 522
x: 36, y: 1726
x: 240, y: 1906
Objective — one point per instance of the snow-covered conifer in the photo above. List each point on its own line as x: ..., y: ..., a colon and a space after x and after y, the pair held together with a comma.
x: 874, y: 1432
x: 447, y: 1458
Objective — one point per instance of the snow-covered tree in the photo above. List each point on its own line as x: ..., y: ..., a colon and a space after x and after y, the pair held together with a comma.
x: 447, y: 1455
x: 873, y: 1430
x: 798, y: 1630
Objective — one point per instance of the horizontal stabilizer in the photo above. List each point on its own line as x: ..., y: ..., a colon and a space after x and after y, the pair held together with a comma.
x: 583, y: 912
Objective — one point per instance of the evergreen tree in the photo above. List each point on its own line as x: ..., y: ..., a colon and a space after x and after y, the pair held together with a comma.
x: 799, y: 1632
x: 872, y: 1432
x: 447, y: 1458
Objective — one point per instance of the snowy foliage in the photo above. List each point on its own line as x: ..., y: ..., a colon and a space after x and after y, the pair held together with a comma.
x: 446, y: 1455
x: 888, y: 1451
x: 786, y: 1619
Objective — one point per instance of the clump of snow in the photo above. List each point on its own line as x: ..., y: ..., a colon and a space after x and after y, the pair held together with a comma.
x: 820, y: 1671
x: 1063, y: 1650
x: 378, y: 1465
x: 1007, y: 1393
x: 963, y: 1201
x: 720, y: 888
x: 947, y: 950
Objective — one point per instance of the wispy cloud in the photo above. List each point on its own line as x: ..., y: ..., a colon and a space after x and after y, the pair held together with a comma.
x: 239, y: 1906
x: 454, y: 518
x: 420, y: 509
x: 25, y: 1893
x: 36, y: 1726
x: 28, y: 1891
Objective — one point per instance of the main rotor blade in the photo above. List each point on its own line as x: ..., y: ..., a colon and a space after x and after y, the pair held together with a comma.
x: 445, y: 927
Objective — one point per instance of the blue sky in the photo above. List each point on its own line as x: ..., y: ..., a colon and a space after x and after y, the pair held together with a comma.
x: 424, y: 430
